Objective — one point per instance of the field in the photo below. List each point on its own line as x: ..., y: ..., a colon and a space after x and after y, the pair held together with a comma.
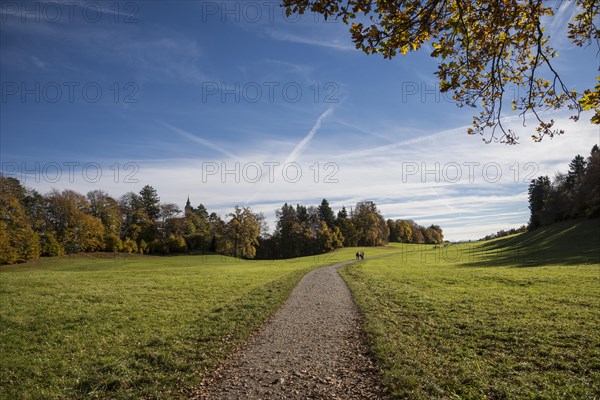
x: 516, y: 317
x: 132, y: 327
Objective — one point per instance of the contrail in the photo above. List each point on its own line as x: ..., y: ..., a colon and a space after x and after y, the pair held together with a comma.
x: 297, y: 150
x: 197, y: 139
x: 300, y: 146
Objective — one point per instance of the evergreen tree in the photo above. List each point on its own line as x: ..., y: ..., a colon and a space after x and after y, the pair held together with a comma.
x: 591, y: 184
x: 288, y: 231
x: 150, y: 202
x: 539, y: 190
x: 202, y: 212
x: 348, y: 231
x: 326, y: 214
x: 217, y: 231
x: 394, y: 229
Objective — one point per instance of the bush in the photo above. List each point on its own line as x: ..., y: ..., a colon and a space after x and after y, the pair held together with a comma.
x: 113, y: 243
x: 130, y: 246
x: 172, y: 245
x: 196, y: 242
x: 176, y: 244
x: 158, y: 246
x: 50, y: 246
x: 8, y: 254
x: 143, y: 247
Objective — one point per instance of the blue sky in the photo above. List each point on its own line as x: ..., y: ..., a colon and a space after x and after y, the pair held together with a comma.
x: 231, y: 103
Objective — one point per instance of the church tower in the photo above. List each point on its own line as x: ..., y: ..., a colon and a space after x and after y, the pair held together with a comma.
x: 188, y: 206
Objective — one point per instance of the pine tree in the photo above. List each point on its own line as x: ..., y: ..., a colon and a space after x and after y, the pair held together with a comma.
x: 326, y: 214
x: 150, y: 202
x: 539, y: 190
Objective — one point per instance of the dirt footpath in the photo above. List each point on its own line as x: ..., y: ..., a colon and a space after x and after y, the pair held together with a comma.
x: 312, y: 348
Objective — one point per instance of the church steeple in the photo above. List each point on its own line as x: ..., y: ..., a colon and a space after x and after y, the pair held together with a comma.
x: 188, y: 205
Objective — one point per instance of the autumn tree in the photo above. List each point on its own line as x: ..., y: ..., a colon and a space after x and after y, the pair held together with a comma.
x: 405, y: 231
x: 242, y: 233
x: 433, y: 235
x: 402, y: 231
x: 329, y: 239
x: 484, y: 48
x: 18, y: 241
x: 416, y: 232
x: 106, y: 209
x: 70, y: 220
x: 370, y: 225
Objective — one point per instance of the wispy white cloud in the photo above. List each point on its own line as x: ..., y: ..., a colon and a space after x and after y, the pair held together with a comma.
x: 402, y: 144
x: 336, y: 44
x: 201, y: 141
x: 557, y: 25
x: 468, y: 208
x: 37, y: 62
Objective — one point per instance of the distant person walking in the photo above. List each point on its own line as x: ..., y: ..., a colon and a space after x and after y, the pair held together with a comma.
x: 357, y: 255
x: 362, y: 255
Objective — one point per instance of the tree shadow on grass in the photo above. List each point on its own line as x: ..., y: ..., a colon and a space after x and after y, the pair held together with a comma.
x: 567, y: 243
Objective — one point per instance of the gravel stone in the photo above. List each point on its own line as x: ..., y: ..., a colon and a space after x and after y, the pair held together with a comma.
x: 312, y: 348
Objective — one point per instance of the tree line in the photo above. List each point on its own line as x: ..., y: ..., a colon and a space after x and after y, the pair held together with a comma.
x: 67, y: 222
x: 302, y: 231
x: 503, y: 233
x: 575, y: 194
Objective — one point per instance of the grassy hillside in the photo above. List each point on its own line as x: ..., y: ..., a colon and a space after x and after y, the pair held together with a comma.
x: 515, y: 317
x: 132, y: 327
x: 565, y: 243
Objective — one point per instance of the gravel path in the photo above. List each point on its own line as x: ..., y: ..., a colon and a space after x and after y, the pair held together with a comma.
x: 312, y: 348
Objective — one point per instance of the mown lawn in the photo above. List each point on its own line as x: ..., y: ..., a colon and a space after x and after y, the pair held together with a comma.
x: 452, y: 324
x: 133, y: 327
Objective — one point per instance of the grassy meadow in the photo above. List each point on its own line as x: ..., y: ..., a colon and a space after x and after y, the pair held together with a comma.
x: 133, y: 326
x: 516, y: 317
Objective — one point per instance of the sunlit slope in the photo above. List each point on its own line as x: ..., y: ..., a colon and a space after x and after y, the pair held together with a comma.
x: 564, y: 243
x: 513, y: 318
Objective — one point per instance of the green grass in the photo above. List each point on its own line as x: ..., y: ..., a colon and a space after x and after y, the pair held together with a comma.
x: 133, y: 327
x: 516, y: 317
